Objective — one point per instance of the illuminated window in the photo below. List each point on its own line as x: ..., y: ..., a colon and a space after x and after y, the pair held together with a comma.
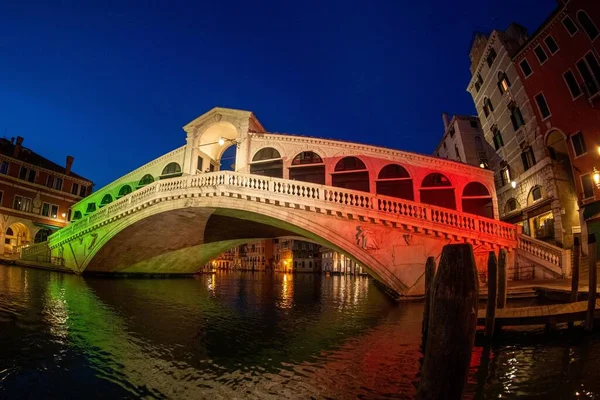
x: 505, y: 176
x: 503, y: 82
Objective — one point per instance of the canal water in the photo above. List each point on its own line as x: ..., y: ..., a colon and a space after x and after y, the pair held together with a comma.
x: 250, y: 335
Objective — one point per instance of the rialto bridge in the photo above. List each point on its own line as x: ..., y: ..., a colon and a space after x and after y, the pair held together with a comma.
x: 387, y: 209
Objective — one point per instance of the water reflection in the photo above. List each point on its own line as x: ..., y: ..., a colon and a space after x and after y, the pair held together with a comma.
x: 246, y: 335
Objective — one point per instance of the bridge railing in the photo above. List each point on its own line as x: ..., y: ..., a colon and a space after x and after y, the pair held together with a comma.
x: 557, y: 260
x: 297, y: 191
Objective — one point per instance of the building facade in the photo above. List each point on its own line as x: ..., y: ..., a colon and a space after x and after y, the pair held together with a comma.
x: 36, y: 195
x: 337, y: 263
x: 531, y: 191
x: 565, y: 52
x: 463, y: 140
x: 294, y: 255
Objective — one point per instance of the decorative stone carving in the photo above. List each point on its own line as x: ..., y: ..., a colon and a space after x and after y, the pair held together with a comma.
x: 37, y: 203
x: 93, y: 242
x: 365, y: 239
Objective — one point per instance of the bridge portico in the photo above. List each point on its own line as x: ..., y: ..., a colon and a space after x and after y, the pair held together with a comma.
x: 387, y: 209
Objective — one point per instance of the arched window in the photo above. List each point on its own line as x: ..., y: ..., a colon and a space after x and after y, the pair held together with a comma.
x: 588, y: 25
x: 503, y: 82
x: 308, y: 167
x: 91, y: 207
x: 351, y: 173
x: 9, y: 231
x: 487, y: 106
x: 476, y: 199
x: 267, y: 153
x: 107, y: 199
x: 267, y: 162
x: 437, y: 190
x: 511, y: 205
x: 124, y: 191
x: 394, y: 180
x: 146, y: 180
x: 535, y: 194
x: 76, y: 215
x: 42, y: 235
x: 172, y: 170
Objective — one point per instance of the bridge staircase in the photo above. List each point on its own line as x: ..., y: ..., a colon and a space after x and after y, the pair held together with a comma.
x: 539, y: 260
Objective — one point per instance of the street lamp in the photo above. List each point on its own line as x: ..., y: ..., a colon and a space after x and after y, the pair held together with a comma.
x: 513, y: 184
x: 596, y: 176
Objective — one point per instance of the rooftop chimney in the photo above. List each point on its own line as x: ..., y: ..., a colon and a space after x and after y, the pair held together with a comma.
x: 446, y: 119
x: 69, y: 164
x: 18, y: 146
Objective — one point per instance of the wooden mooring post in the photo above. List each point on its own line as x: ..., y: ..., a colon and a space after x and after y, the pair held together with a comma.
x: 575, y: 270
x: 589, y: 318
x: 502, y: 279
x: 452, y: 325
x: 492, y: 299
x: 429, y: 281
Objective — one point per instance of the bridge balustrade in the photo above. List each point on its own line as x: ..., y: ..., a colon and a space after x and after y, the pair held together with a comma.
x: 277, y: 188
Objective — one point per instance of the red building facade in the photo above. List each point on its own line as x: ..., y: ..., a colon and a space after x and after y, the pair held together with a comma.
x: 560, y: 69
x: 36, y: 195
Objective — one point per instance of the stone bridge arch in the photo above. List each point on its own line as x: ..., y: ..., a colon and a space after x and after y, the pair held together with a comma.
x: 125, y: 245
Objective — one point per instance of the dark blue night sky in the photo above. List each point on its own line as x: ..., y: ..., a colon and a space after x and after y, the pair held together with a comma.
x: 113, y: 82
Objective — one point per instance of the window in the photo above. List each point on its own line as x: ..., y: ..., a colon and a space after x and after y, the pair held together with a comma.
x: 307, y: 157
x: 211, y: 167
x: 588, y: 25
x: 590, y: 72
x: 498, y: 141
x: 444, y: 144
x: 91, y: 207
x: 516, y: 118
x: 46, y: 209
x: 505, y: 176
x: 536, y: 193
x: 146, y: 180
x: 75, y: 189
x: 124, y: 191
x: 107, y: 199
x: 267, y: 153
x: 570, y: 25
x: 199, y: 163
x: 42, y: 235
x: 511, y: 205
x: 4, y: 167
x: 588, y: 186
x: 551, y: 44
x: 27, y: 174
x: 83, y: 191
x: 578, y: 144
x: 22, y: 203
x: 1, y: 196
x: 487, y: 106
x: 503, y: 82
x: 473, y: 124
x: 528, y: 159
x: 572, y: 84
x: 479, y: 82
x: 457, y: 153
x: 526, y: 68
x: 50, y: 181
x: 54, y: 211
x: 542, y: 106
x: 171, y: 170
x: 540, y: 54
x: 451, y: 132
x: 491, y: 57
x: 58, y: 183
